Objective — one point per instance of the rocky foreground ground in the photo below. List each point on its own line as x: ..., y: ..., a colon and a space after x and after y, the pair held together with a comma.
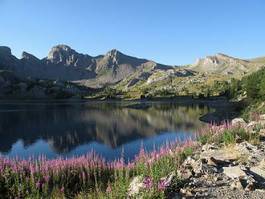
x: 218, y: 170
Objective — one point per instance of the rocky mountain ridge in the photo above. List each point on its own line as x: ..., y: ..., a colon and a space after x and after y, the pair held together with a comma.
x: 126, y: 73
x: 66, y: 64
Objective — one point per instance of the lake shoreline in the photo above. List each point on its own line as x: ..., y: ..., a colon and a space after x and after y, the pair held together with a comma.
x: 181, y: 99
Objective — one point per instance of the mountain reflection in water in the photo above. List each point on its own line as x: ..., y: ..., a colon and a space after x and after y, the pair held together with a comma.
x: 69, y: 129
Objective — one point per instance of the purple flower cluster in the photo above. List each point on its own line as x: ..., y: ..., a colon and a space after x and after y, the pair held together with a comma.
x: 148, y: 182
x: 162, y: 184
x: 42, y: 174
x: 213, y: 129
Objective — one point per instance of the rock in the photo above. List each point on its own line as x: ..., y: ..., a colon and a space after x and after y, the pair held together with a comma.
x: 262, y: 163
x: 260, y: 190
x: 219, y: 155
x: 218, y: 163
x: 246, y: 148
x: 239, y: 122
x: 168, y: 179
x: 188, y: 163
x: 208, y: 147
x: 262, y: 117
x: 197, y: 167
x: 183, y: 191
x: 249, y: 153
x: 192, y: 165
x: 262, y: 132
x: 200, y: 192
x: 234, y: 172
x: 184, y: 174
x: 250, y: 184
x: 135, y: 186
x: 236, y: 184
x: 208, y: 169
x: 258, y: 172
x: 217, y: 178
x: 186, y: 192
x: 252, y: 126
x: 212, y: 162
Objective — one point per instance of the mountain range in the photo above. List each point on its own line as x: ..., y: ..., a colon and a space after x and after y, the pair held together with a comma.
x: 116, y: 69
x: 66, y: 64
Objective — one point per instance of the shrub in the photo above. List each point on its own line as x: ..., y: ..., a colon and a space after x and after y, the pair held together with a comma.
x: 204, y: 139
x: 228, y: 137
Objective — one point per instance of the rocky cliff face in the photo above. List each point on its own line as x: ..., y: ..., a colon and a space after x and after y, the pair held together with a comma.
x: 64, y: 55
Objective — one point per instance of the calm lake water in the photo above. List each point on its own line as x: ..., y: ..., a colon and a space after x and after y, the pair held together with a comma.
x: 110, y: 129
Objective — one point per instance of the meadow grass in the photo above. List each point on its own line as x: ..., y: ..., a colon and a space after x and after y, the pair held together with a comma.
x: 226, y: 134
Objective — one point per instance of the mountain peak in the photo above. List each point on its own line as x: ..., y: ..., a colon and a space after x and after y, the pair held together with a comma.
x: 224, y: 56
x: 113, y: 53
x: 4, y: 50
x: 28, y: 56
x: 66, y: 56
x: 58, y: 51
x: 222, y: 64
x: 215, y: 60
x: 62, y: 47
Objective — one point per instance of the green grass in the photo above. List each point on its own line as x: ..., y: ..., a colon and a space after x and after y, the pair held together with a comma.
x: 230, y: 135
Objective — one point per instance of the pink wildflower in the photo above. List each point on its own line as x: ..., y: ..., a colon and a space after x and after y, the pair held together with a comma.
x: 38, y: 185
x: 162, y: 184
x: 148, y: 182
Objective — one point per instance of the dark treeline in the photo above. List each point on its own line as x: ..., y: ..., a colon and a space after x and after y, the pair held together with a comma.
x: 252, y: 86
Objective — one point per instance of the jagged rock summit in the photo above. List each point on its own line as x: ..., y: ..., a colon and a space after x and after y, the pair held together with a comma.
x: 64, y: 55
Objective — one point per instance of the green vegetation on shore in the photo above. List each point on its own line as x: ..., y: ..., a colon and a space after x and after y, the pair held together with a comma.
x: 251, y: 90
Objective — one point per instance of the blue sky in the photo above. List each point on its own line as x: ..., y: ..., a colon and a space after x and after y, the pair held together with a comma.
x: 169, y: 31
